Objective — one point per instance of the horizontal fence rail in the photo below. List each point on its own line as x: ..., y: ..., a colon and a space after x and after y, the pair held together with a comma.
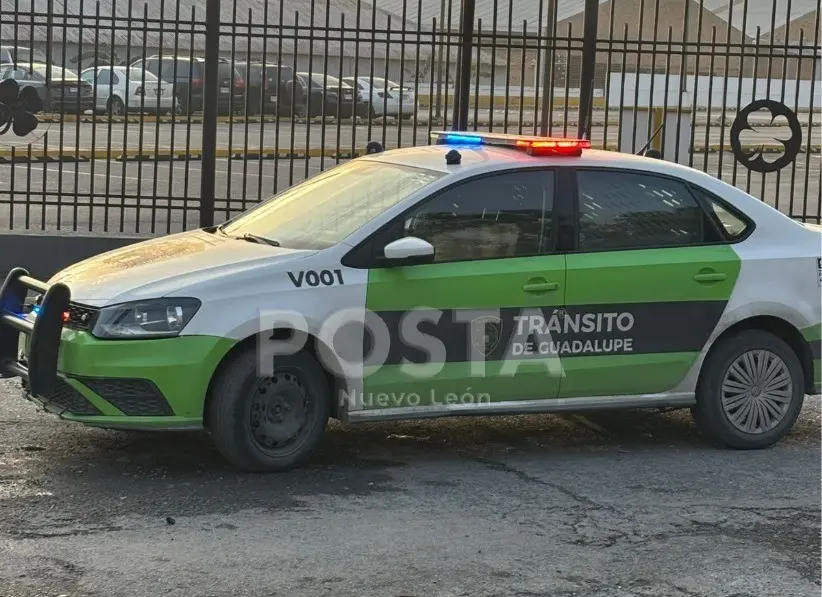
x: 304, y: 85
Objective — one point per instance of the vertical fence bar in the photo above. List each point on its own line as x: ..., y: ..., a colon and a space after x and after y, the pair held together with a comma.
x: 280, y: 87
x: 782, y: 92
x: 140, y: 134
x: 230, y: 108
x: 589, y: 57
x: 211, y: 89
x: 654, y: 42
x: 357, y: 79
x: 448, y: 68
x: 339, y: 94
x: 566, y: 107
x: 546, y: 118
x: 431, y: 76
x: 753, y: 91
x: 683, y: 79
x: 537, y: 65
x: 311, y: 84
x: 726, y: 71
x: 417, y: 73
x: 637, y: 69
x: 768, y: 96
x: 385, y: 79
x: 173, y: 124
x: 63, y: 105
x: 509, y: 35
x: 92, y: 178
x: 607, y: 91
x: 465, y: 67
x: 521, y: 76
x: 12, y: 174
x: 814, y: 74
x: 492, y: 83
x: 265, y: 92
x: 177, y: 100
x: 797, y: 88
x: 711, y: 63
x: 696, y: 81
x: 742, y: 48
x: 247, y: 108
x: 371, y: 70
x: 477, y: 79
x: 296, y: 85
x: 400, y: 115
x: 621, y: 117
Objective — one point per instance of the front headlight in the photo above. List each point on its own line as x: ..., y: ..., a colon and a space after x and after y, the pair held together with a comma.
x: 158, y: 318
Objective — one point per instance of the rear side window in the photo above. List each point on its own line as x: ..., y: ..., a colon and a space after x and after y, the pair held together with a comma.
x: 625, y: 210
x: 733, y: 225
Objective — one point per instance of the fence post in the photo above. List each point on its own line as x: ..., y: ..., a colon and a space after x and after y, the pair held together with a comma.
x: 548, y: 69
x: 464, y: 80
x: 589, y: 57
x: 211, y: 89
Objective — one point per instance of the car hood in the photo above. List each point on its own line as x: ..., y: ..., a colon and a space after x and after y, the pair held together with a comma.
x: 158, y: 267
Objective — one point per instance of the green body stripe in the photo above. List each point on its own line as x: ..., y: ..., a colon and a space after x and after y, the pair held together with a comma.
x: 650, y: 275
x: 813, y: 332
x: 180, y: 367
x: 490, y: 283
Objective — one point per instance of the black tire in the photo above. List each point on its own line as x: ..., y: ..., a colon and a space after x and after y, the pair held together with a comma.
x: 116, y: 107
x: 233, y: 396
x: 180, y: 106
x: 713, y: 416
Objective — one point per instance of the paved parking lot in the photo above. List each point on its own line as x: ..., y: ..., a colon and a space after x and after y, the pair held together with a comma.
x: 87, y: 196
x: 637, y: 505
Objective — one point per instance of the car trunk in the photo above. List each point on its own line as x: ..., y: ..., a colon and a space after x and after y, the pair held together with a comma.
x: 66, y: 90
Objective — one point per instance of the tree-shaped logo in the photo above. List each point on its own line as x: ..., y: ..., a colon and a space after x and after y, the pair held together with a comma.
x: 18, y: 108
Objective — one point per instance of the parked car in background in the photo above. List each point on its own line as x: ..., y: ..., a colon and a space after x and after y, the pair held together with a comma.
x: 122, y: 89
x: 20, y: 54
x: 383, y: 97
x: 26, y: 78
x: 338, y: 95
x: 271, y: 88
x: 64, y: 92
x: 187, y: 75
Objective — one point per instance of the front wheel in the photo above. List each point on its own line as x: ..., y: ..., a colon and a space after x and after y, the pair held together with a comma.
x: 271, y: 422
x: 750, y: 390
x: 116, y: 107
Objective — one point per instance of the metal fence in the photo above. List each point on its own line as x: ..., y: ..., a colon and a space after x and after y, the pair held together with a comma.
x: 236, y: 117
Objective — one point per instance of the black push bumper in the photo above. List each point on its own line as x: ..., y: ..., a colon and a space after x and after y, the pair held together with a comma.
x: 39, y: 368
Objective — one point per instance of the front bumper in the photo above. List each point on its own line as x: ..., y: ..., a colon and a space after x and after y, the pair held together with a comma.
x: 145, y: 384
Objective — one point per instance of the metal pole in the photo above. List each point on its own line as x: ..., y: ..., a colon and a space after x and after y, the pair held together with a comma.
x: 548, y: 69
x: 589, y: 56
x: 464, y: 85
x: 211, y: 87
x: 439, y: 59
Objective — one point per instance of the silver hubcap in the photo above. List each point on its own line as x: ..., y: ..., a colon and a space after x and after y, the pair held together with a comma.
x: 756, y: 391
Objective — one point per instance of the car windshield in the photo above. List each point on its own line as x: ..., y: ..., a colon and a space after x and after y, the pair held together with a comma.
x: 325, y: 209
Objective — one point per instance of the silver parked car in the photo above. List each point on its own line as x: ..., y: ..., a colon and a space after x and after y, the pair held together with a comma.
x: 122, y: 89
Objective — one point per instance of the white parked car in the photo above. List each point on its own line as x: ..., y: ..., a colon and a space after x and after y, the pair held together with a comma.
x: 386, y: 98
x: 122, y: 89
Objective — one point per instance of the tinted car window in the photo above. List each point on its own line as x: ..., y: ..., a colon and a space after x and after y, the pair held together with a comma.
x: 104, y: 77
x: 507, y: 215
x: 623, y: 210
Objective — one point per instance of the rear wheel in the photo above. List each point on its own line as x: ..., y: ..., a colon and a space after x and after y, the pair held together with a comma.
x: 116, y: 107
x: 750, y: 390
x: 273, y: 422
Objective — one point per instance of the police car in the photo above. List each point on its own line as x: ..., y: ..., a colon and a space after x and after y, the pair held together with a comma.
x: 483, y: 274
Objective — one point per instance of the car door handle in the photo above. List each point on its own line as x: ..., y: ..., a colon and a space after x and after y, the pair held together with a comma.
x: 711, y: 277
x: 540, y: 286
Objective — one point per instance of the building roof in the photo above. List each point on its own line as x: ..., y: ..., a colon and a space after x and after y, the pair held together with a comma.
x: 761, y: 16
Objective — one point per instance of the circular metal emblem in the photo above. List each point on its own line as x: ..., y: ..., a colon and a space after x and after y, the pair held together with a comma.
x: 753, y: 159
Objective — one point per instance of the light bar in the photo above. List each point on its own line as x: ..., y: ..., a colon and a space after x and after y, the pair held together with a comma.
x: 532, y: 145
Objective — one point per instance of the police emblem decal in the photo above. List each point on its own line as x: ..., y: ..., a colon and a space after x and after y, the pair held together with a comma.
x: 486, y: 332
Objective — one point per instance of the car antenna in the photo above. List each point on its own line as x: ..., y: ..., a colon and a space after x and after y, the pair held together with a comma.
x: 453, y: 157
x: 374, y: 147
x: 645, y: 151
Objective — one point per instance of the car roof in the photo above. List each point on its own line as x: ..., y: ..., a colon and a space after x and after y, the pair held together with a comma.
x: 489, y: 157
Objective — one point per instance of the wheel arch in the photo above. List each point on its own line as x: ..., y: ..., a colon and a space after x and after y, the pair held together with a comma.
x: 313, y: 346
x: 779, y: 327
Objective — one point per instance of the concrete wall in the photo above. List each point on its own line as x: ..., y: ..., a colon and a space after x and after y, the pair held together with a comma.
x: 44, y: 254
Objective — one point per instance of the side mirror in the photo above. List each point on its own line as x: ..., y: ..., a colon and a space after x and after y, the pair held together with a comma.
x: 407, y: 251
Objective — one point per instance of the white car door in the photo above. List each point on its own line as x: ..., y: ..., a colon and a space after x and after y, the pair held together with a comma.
x: 104, y: 88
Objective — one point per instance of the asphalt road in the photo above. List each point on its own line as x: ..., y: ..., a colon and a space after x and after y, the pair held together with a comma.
x: 184, y: 136
x: 87, y: 196
x: 520, y: 506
